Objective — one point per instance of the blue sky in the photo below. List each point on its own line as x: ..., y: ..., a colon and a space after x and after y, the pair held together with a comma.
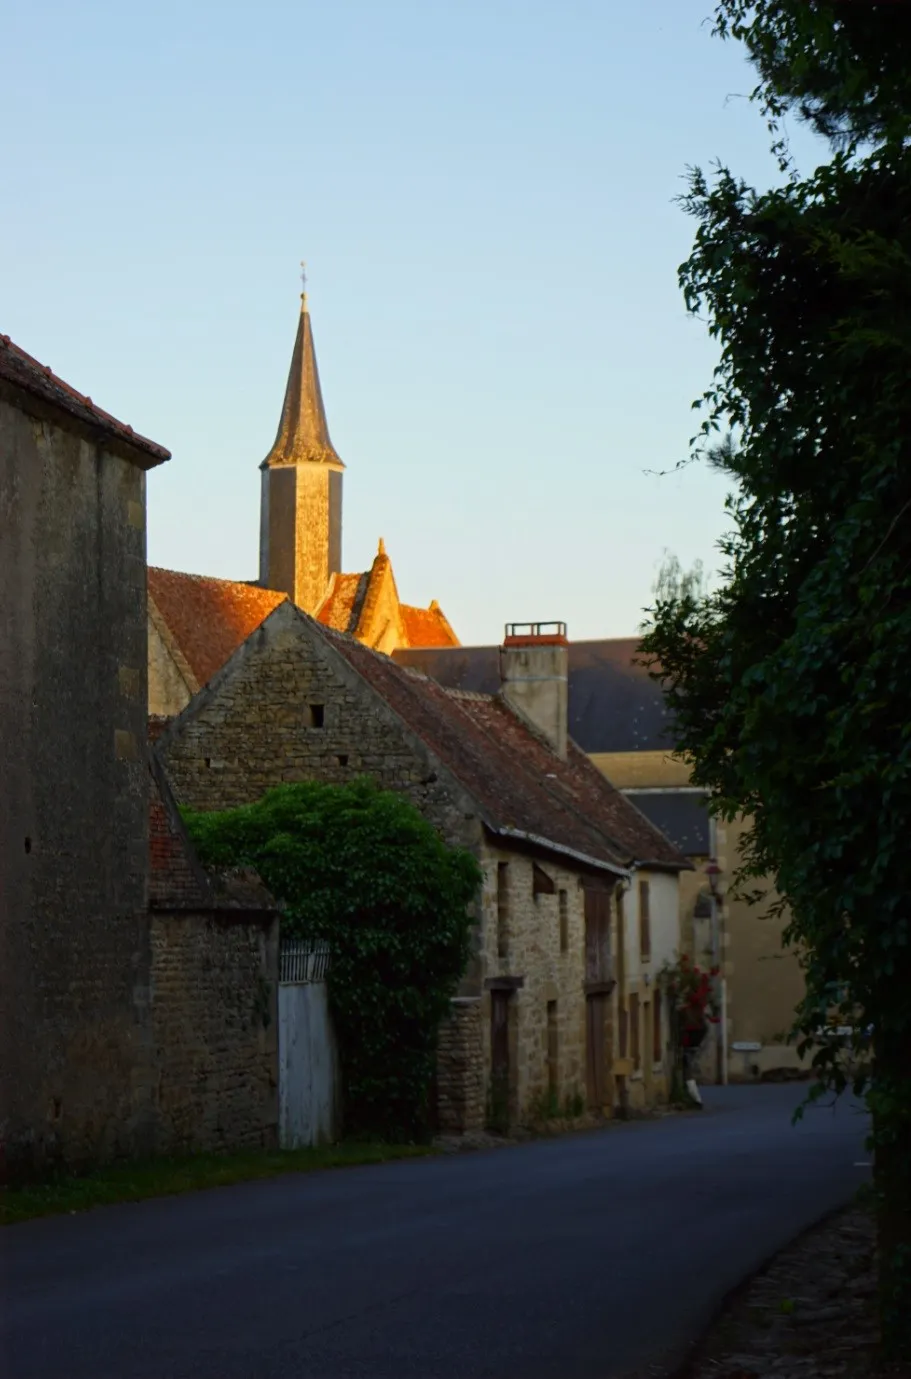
x: 484, y: 194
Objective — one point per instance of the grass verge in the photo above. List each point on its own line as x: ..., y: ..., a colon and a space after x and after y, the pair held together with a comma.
x: 133, y: 1182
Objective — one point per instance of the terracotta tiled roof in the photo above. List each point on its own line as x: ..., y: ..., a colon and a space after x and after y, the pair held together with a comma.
x: 209, y: 618
x: 177, y: 881
x: 427, y: 626
x: 351, y: 603
x: 21, y: 369
x: 342, y: 605
x: 520, y: 785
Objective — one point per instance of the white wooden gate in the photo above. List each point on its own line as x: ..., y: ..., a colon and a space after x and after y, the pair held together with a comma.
x: 308, y: 1075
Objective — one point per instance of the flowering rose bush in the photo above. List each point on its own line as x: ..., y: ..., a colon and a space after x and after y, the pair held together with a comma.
x: 690, y: 993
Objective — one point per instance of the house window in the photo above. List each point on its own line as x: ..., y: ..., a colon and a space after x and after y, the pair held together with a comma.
x: 564, y: 921
x: 657, y: 1032
x: 645, y: 921
x: 635, y: 1052
x: 317, y: 715
x: 502, y: 909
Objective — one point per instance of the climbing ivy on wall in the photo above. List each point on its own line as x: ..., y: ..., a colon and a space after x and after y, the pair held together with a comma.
x: 361, y: 870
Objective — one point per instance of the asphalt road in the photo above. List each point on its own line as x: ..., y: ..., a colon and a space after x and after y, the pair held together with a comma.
x: 577, y: 1258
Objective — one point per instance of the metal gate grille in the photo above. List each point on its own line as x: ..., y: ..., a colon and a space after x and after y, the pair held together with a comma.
x: 302, y: 961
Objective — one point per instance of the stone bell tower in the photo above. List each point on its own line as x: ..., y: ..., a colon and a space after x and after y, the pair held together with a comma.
x: 300, y: 536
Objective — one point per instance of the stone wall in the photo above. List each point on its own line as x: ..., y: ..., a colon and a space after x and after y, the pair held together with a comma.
x: 531, y: 938
x: 764, y: 980
x: 288, y: 708
x: 461, y: 1070
x: 169, y: 692
x: 73, y: 807
x: 214, y: 1021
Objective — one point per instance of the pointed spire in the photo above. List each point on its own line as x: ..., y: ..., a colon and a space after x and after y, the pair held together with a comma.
x: 303, y: 433
x: 381, y: 548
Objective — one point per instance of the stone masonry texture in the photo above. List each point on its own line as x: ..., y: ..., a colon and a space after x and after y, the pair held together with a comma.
x: 251, y: 728
x: 215, y: 1031
x: 74, y: 799
x: 551, y: 974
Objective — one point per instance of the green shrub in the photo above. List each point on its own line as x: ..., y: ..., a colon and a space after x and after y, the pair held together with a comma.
x: 361, y: 870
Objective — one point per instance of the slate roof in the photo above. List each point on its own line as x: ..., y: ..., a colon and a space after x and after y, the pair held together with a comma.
x: 519, y: 783
x: 613, y: 704
x: 683, y: 817
x: 209, y: 618
x: 177, y: 880
x: 40, y: 382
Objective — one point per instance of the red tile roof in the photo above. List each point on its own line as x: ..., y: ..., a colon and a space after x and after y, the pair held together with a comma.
x: 26, y: 373
x: 350, y: 606
x: 520, y: 785
x: 177, y: 881
x: 427, y: 626
x: 342, y: 605
x: 209, y: 618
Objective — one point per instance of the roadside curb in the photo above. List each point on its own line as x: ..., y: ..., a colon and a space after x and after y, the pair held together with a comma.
x: 685, y: 1368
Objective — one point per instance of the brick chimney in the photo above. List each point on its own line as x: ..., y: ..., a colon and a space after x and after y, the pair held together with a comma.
x: 534, y: 666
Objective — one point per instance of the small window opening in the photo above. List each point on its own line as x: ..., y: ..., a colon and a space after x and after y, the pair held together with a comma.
x: 342, y: 758
x: 28, y: 844
x: 502, y: 909
x: 564, y: 921
x: 645, y: 921
x: 317, y: 715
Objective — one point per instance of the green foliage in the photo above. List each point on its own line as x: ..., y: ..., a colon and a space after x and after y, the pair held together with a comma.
x: 841, y: 65
x: 361, y: 870
x: 788, y: 683
x: 135, y: 1181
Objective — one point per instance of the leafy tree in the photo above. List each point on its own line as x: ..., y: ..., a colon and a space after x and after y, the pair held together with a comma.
x: 360, y: 869
x: 788, y: 683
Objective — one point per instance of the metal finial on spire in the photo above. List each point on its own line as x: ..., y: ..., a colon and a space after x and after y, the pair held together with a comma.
x: 304, y: 281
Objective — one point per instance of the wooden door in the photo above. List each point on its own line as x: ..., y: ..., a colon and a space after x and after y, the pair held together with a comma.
x: 597, y: 988
x: 595, y: 1039
x: 499, y: 1060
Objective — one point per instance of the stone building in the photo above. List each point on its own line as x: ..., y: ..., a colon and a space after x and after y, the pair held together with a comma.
x: 300, y: 559
x: 211, y: 1021
x: 618, y: 716
x: 74, y: 803
x: 536, y: 1022
x: 135, y: 990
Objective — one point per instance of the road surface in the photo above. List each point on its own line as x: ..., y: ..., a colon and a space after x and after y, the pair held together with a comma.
x: 576, y: 1258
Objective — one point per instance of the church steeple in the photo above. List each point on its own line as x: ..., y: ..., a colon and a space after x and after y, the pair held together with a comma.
x: 303, y: 432
x: 301, y: 505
